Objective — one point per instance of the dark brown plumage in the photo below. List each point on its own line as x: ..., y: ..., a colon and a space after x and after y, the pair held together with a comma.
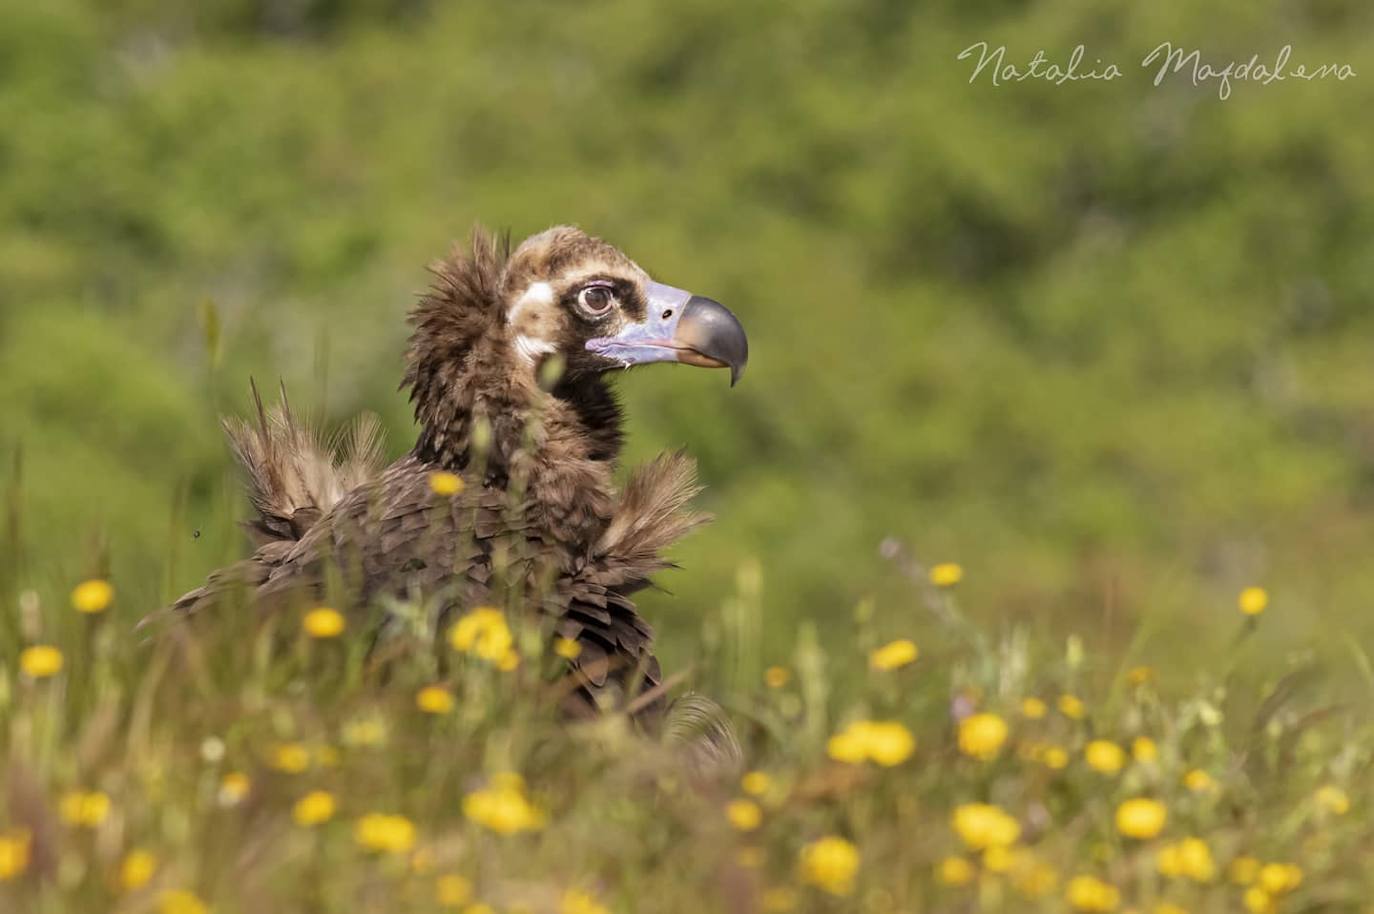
x: 506, y: 368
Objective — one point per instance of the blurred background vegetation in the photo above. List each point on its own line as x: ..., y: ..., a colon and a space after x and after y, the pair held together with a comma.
x: 1109, y: 346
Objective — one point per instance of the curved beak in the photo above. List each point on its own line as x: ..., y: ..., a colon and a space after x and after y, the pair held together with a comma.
x: 680, y: 327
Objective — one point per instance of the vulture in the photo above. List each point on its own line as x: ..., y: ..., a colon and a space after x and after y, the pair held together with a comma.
x: 508, y: 367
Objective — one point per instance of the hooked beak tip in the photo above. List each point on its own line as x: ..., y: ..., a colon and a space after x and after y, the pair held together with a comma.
x: 709, y: 329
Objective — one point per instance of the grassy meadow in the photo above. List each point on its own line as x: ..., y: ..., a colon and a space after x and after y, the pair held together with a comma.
x: 1040, y: 577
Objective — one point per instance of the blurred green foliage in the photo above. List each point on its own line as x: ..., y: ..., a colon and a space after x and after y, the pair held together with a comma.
x: 1108, y: 345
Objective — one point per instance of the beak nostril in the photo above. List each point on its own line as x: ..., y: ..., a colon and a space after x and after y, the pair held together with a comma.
x: 667, y: 314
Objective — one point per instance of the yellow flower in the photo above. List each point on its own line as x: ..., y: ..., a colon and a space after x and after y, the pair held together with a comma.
x: 180, y: 901
x: 444, y: 483
x: 756, y: 783
x: 1140, y: 675
x: 946, y: 574
x: 1190, y: 858
x: 1279, y: 878
x: 1055, y: 757
x: 483, y: 633
x: 323, y: 622
x: 1088, y: 893
x: 1257, y: 901
x: 576, y: 901
x: 364, y: 732
x: 1253, y: 600
x: 233, y: 787
x: 887, y: 743
x: 14, y: 853
x: 136, y: 870
x: 775, y: 677
x: 777, y: 900
x: 830, y: 864
x: 384, y: 833
x: 503, y: 807
x: 1071, y: 706
x: 1199, y: 781
x: 1104, y: 756
x: 1033, y: 708
x: 1141, y: 818
x: 292, y: 758
x: 744, y: 815
x: 40, y: 661
x: 955, y: 871
x: 1243, y: 870
x: 1144, y: 750
x: 433, y: 699
x: 567, y: 648
x: 85, y: 809
x: 315, y: 808
x: 982, y: 825
x: 452, y: 890
x: 982, y: 735
x: 998, y: 859
x: 893, y: 655
x: 92, y: 596
x: 1333, y: 799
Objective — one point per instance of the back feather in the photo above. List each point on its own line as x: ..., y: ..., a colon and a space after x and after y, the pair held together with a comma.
x: 294, y: 477
x: 651, y: 515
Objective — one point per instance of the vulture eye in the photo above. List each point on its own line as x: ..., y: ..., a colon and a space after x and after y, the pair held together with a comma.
x: 595, y: 300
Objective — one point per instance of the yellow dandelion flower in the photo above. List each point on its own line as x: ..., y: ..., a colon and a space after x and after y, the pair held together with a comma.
x: 14, y: 853
x: 92, y: 596
x: 745, y: 815
x: 775, y: 677
x: 982, y: 735
x: 503, y: 807
x: 1243, y: 870
x: 955, y: 871
x: 982, y: 825
x: 1033, y: 708
x: 576, y: 901
x: 1088, y: 893
x: 1199, y: 781
x: 887, y: 743
x: 1104, y: 756
x: 180, y: 901
x: 434, y: 699
x: 893, y: 655
x: 233, y: 787
x: 1258, y: 901
x: 445, y: 484
x: 1190, y: 858
x: 1141, y: 818
x: 85, y: 809
x: 830, y: 864
x: 508, y: 661
x: 315, y: 808
x: 946, y: 574
x: 452, y: 890
x: 479, y: 908
x: 384, y: 833
x: 1279, y: 878
x: 1332, y: 799
x: 1071, y: 706
x: 567, y: 648
x: 751, y: 858
x: 1140, y: 675
x: 40, y: 661
x: 291, y: 758
x: 1055, y: 757
x: 1144, y: 750
x: 998, y: 859
x: 323, y: 622
x: 364, y: 732
x: 1253, y: 600
x: 756, y: 783
x: 778, y: 900
x: 483, y: 633
x: 136, y: 870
